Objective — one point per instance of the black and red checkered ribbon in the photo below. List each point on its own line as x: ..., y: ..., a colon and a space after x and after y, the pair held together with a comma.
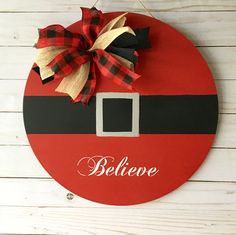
x: 77, y: 53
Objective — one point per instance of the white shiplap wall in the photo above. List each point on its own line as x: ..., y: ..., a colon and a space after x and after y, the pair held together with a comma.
x: 33, y: 203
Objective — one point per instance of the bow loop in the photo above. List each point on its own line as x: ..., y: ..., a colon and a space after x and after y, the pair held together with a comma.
x: 57, y: 35
x: 92, y: 21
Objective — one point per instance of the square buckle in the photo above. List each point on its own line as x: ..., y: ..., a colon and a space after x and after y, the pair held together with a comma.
x: 122, y: 96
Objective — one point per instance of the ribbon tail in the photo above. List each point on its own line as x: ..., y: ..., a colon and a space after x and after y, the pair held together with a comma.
x: 111, y: 68
x: 44, y: 57
x: 75, y: 82
x: 46, y: 80
x: 89, y: 87
x: 45, y: 73
x: 139, y: 41
x: 126, y: 53
x: 123, y: 61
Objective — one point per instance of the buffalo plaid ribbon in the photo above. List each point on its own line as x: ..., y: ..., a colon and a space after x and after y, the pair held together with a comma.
x: 77, y: 53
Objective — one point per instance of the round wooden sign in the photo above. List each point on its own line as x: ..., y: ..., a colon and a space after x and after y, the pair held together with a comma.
x: 128, y: 147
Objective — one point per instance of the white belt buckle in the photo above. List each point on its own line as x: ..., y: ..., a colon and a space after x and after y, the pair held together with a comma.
x: 100, y: 96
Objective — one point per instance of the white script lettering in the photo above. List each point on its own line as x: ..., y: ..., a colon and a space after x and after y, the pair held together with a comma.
x: 106, y: 165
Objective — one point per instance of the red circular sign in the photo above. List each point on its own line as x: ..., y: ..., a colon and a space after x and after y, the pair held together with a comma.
x: 128, y: 148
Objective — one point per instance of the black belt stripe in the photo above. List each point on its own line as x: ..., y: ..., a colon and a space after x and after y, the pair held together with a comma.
x: 184, y: 114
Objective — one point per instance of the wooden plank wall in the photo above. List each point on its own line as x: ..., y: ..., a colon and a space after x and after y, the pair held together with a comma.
x: 33, y: 203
